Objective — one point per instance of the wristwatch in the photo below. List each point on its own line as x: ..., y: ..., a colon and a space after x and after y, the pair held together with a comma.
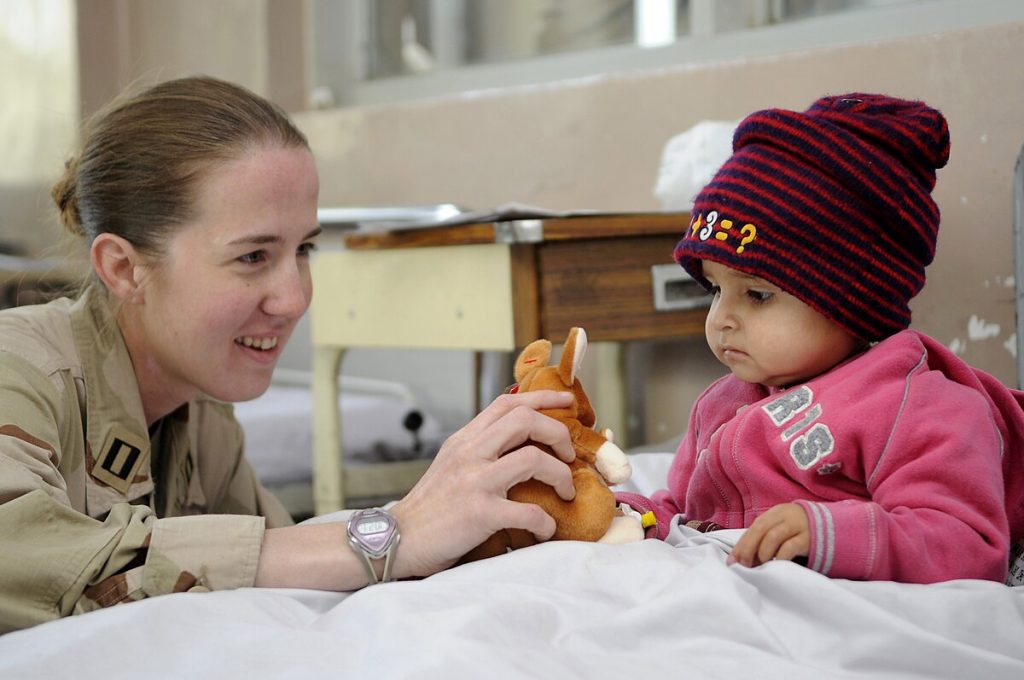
x: 373, y: 534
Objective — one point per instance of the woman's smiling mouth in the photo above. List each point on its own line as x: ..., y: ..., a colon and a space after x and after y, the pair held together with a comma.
x: 262, y: 344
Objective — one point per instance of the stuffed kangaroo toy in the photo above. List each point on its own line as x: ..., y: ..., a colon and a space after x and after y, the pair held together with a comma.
x: 592, y: 515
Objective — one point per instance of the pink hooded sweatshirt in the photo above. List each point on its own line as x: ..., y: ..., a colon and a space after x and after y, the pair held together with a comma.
x: 908, y: 462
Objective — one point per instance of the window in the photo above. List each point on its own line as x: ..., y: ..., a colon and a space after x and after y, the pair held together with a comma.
x: 39, y: 117
x: 367, y: 51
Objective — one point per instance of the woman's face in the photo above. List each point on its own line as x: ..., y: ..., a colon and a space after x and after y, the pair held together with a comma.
x: 214, y: 313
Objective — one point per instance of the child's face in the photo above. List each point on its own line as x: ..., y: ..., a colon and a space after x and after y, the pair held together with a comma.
x: 767, y: 336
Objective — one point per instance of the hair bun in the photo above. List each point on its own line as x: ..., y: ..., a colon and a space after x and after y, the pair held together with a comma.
x: 65, y: 195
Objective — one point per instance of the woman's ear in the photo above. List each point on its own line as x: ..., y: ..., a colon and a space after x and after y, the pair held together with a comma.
x: 117, y: 263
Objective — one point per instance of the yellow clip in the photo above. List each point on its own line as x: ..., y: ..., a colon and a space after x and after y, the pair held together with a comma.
x: 648, y: 519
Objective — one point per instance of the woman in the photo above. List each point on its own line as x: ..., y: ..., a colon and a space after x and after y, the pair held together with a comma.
x: 121, y: 469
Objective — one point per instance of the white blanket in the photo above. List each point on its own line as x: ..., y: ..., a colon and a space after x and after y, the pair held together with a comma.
x: 559, y: 610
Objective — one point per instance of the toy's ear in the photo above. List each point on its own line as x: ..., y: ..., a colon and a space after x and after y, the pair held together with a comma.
x: 572, y: 356
x: 534, y: 356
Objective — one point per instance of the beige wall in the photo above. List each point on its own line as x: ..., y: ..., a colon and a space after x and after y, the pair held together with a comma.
x: 597, y: 144
x: 28, y: 220
x: 257, y: 43
x: 122, y: 43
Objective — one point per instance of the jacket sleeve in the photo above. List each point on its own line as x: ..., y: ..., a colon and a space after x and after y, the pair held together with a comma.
x: 936, y: 508
x: 69, y: 562
x: 665, y: 504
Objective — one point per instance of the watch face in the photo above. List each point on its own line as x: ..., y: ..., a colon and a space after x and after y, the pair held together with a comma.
x: 368, y: 526
x: 374, y: 529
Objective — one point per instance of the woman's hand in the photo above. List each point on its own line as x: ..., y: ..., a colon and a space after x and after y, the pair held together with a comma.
x: 783, y: 532
x: 461, y: 500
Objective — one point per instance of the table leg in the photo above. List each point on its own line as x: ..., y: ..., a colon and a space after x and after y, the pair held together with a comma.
x: 328, y: 471
x: 609, y: 391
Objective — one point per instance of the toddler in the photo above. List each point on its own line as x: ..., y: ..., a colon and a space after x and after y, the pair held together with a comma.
x: 840, y: 438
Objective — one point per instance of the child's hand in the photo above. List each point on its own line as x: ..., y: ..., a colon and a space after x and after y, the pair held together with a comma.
x: 781, y: 533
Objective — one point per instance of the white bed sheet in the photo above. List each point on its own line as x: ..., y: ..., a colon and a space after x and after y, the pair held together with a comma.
x: 558, y: 610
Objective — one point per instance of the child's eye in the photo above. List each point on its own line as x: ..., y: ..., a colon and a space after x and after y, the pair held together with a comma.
x: 759, y: 297
x: 714, y: 291
x: 255, y: 257
x: 307, y: 248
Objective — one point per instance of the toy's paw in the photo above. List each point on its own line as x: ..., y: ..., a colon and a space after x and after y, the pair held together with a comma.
x: 624, y: 529
x: 608, y: 434
x: 612, y: 463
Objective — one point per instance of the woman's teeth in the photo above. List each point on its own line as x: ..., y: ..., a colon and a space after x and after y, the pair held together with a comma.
x: 257, y: 343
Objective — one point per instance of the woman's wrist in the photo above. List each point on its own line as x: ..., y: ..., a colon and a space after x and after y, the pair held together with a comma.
x: 405, y: 563
x: 315, y: 556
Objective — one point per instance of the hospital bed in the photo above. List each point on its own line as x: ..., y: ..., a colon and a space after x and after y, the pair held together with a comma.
x: 556, y: 610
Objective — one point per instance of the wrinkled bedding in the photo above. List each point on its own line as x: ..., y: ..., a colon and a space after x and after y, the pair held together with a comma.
x: 558, y: 610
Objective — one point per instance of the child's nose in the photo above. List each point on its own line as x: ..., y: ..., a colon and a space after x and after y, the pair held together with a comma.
x: 722, y: 315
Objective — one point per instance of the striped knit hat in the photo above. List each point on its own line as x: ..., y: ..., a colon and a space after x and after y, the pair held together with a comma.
x: 833, y: 205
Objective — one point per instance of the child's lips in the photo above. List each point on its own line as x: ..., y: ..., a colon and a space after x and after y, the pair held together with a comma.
x: 733, y: 353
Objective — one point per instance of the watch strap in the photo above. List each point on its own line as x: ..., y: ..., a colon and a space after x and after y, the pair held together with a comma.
x: 364, y: 557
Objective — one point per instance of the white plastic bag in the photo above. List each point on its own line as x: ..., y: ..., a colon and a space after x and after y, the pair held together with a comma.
x: 690, y: 160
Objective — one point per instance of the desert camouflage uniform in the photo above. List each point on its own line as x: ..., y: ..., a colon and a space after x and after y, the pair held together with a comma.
x: 94, y: 509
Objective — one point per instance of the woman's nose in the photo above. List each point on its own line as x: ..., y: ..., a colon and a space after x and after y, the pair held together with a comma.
x: 290, y: 292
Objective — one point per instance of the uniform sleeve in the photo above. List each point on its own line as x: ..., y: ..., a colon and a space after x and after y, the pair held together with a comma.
x: 68, y: 562
x: 936, y: 508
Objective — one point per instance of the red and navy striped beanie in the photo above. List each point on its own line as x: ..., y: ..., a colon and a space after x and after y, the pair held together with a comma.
x: 833, y: 205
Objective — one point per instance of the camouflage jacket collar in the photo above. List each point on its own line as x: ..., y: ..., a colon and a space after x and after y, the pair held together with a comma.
x: 117, y: 440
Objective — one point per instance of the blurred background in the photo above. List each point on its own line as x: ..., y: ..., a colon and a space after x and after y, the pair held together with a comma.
x: 565, y: 104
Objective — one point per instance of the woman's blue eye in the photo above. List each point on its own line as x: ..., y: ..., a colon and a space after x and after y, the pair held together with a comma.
x: 255, y: 257
x: 307, y: 248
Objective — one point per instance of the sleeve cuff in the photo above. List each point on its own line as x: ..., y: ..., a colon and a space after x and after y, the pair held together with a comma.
x: 657, y: 520
x: 206, y: 552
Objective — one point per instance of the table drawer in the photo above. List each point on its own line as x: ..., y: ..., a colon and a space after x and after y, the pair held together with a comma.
x: 605, y: 285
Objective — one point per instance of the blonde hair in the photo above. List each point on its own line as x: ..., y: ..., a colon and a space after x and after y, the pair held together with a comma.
x: 143, y: 157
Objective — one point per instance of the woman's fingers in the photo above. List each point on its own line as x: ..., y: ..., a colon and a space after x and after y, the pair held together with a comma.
x: 523, y: 424
x: 446, y: 516
x: 462, y: 498
x: 530, y: 462
x: 528, y: 517
x: 540, y: 399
